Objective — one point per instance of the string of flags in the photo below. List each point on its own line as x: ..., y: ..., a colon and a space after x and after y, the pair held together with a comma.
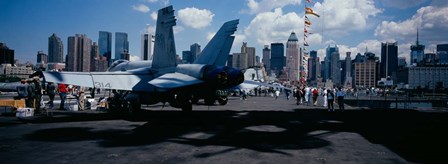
x: 306, y: 33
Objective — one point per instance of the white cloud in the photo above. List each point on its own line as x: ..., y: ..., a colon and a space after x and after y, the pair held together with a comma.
x: 150, y: 29
x: 269, y: 27
x: 314, y: 39
x: 343, y: 16
x: 142, y: 8
x: 134, y: 58
x: 165, y: 2
x: 371, y: 46
x: 177, y: 29
x: 195, y: 18
x: 239, y: 39
x: 210, y: 36
x: 259, y: 6
x: 154, y: 15
x: 432, y: 22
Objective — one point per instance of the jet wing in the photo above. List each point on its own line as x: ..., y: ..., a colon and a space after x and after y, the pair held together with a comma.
x: 174, y: 80
x: 135, y: 81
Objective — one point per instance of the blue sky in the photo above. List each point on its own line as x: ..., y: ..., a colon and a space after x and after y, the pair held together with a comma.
x: 351, y: 24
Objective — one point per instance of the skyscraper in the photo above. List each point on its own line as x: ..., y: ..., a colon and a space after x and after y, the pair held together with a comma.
x: 335, y: 75
x: 186, y: 57
x: 78, y: 53
x: 55, y: 49
x: 6, y: 54
x: 401, y: 62
x: 195, y: 50
x: 42, y: 58
x: 389, y: 59
x: 365, y: 71
x: 105, y: 45
x: 267, y: 59
x: 293, y: 60
x: 239, y: 61
x: 277, y: 57
x: 251, y: 57
x: 147, y: 46
x: 328, y: 57
x: 442, y: 53
x: 247, y: 55
x: 100, y: 63
x: 417, y: 52
x: 121, y: 44
x: 346, y: 73
x: 312, y: 66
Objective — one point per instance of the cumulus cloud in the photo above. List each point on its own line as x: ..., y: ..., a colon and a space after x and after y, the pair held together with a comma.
x: 178, y: 29
x: 150, y: 29
x: 151, y: 1
x: 239, y: 39
x: 134, y: 58
x: 210, y: 36
x: 343, y: 16
x: 269, y: 27
x: 314, y: 39
x: 142, y: 8
x: 195, y: 18
x: 154, y: 15
x: 431, y: 21
x: 259, y: 6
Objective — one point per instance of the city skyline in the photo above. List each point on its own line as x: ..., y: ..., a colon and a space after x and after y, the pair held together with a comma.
x: 353, y: 26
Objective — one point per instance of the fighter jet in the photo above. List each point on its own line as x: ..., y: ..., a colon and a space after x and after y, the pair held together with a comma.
x: 162, y: 79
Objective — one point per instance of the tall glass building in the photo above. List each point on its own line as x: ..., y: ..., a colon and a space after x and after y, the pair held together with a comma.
x: 442, y: 53
x: 389, y: 59
x: 55, y: 49
x: 267, y: 59
x: 417, y: 52
x: 105, y: 45
x: 195, y: 50
x: 277, y: 57
x: 328, y: 57
x: 147, y: 46
x: 6, y: 54
x: 121, y: 44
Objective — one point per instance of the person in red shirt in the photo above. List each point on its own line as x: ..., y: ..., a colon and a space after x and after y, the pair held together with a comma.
x: 62, y: 89
x: 315, y: 94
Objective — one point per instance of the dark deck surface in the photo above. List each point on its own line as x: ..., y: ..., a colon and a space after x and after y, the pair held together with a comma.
x: 257, y: 130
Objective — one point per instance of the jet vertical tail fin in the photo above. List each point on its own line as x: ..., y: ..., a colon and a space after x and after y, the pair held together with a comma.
x: 217, y: 50
x: 164, y: 47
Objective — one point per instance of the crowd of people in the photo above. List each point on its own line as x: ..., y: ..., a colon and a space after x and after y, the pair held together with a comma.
x: 308, y: 96
x: 31, y: 90
x: 303, y: 95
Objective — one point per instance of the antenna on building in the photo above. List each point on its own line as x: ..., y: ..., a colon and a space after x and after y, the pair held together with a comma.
x: 416, y: 43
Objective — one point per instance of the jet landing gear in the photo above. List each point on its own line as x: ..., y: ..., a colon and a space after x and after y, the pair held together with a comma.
x: 211, y: 97
x: 125, y: 102
x: 182, y: 100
